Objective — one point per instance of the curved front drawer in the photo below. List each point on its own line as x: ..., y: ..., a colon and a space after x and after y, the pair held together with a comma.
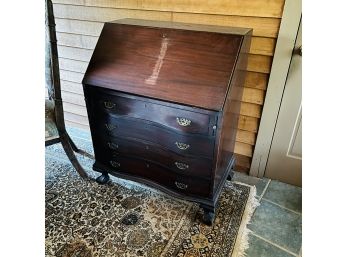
x: 184, y: 144
x: 148, y: 170
x: 174, y: 118
x: 146, y: 150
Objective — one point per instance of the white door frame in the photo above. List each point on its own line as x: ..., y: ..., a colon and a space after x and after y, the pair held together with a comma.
x: 281, y: 63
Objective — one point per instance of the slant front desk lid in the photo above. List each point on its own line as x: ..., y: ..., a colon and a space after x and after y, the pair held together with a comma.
x: 182, y: 63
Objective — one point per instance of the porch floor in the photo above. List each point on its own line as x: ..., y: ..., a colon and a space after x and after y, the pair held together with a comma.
x: 276, y: 225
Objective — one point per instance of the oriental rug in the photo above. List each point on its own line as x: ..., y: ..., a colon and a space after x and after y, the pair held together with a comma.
x: 123, y: 218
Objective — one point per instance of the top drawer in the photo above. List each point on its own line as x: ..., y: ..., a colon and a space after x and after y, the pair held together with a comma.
x: 142, y: 108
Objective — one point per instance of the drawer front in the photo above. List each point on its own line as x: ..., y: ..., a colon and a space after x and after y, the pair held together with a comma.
x: 174, y: 118
x: 148, y: 170
x: 185, y: 144
x: 200, y: 167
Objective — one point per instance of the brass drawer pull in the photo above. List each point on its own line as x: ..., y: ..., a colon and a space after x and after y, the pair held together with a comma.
x: 109, y: 105
x: 115, y: 164
x: 112, y: 146
x: 180, y: 185
x: 181, y: 166
x: 183, y: 122
x: 110, y: 127
x: 182, y: 146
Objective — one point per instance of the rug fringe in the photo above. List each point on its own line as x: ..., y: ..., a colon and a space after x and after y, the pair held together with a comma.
x: 242, y: 241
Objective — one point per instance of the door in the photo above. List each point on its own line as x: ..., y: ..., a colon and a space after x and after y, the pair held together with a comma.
x: 285, y: 157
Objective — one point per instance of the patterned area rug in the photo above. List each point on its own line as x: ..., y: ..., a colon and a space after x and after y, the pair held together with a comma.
x: 123, y: 218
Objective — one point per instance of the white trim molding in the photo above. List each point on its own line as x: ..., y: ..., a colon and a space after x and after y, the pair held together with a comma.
x: 281, y: 62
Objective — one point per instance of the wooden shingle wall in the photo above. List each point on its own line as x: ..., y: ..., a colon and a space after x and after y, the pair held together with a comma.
x: 79, y: 23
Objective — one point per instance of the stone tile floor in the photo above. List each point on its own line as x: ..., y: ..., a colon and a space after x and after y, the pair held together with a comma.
x: 276, y: 225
